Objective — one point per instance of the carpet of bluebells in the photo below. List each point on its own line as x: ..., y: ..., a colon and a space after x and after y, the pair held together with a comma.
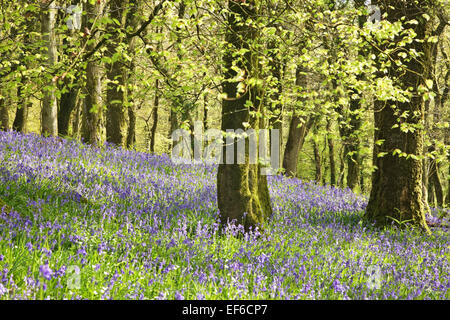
x: 78, y: 222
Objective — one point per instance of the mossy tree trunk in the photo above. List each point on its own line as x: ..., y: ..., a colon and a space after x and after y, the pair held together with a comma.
x: 242, y: 191
x: 397, y: 182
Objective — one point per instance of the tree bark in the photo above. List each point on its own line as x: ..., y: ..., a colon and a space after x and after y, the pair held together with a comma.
x: 205, y: 110
x: 66, y: 106
x: 317, y: 163
x: 133, y: 18
x: 317, y: 159
x: 117, y: 73
x: 49, y: 102
x: 178, y: 105
x: 68, y: 99
x: 4, y: 115
x: 298, y: 130
x: 93, y: 104
x: 76, y: 123
x: 21, y: 117
x: 447, y: 198
x: 23, y: 103
x: 397, y: 182
x: 436, y: 182
x: 330, y: 141
x: 275, y: 105
x: 242, y: 191
x: 155, y: 117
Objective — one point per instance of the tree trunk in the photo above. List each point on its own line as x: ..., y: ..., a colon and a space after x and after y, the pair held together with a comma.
x: 298, y: 130
x: 331, y: 155
x: 4, y: 115
x: 21, y: 117
x: 67, y: 104
x: 362, y: 183
x: 275, y: 105
x: 205, y: 110
x: 178, y: 105
x: 447, y: 199
x: 437, y: 184
x: 317, y: 159
x: 133, y: 21
x: 397, y: 183
x: 155, y: 117
x: 23, y: 104
x: 430, y: 194
x: 76, y: 123
x: 49, y: 102
x: 68, y: 99
x: 131, y: 132
x: 92, y: 107
x: 117, y: 73
x: 242, y: 191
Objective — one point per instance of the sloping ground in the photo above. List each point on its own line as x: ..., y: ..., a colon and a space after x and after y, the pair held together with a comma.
x: 138, y: 227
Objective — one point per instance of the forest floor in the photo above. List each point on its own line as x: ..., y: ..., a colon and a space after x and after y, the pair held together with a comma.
x: 78, y: 222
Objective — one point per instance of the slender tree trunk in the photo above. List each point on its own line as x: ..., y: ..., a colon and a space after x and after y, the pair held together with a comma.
x: 155, y: 117
x: 353, y: 158
x: 430, y: 194
x: 117, y: 73
x: 436, y: 182
x: 348, y: 128
x: 4, y: 115
x: 447, y: 199
x: 430, y: 178
x: 330, y: 141
x: 362, y: 183
x: 69, y: 98
x: 242, y: 191
x: 317, y: 160
x: 275, y: 105
x: 340, y: 181
x: 49, y: 102
x: 178, y: 105
x: 205, y: 109
x: 397, y: 183
x: 205, y: 112
x: 76, y: 121
x: 425, y: 174
x: 21, y: 117
x: 23, y: 103
x: 131, y: 132
x: 133, y: 19
x: 93, y: 104
x: 298, y: 130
